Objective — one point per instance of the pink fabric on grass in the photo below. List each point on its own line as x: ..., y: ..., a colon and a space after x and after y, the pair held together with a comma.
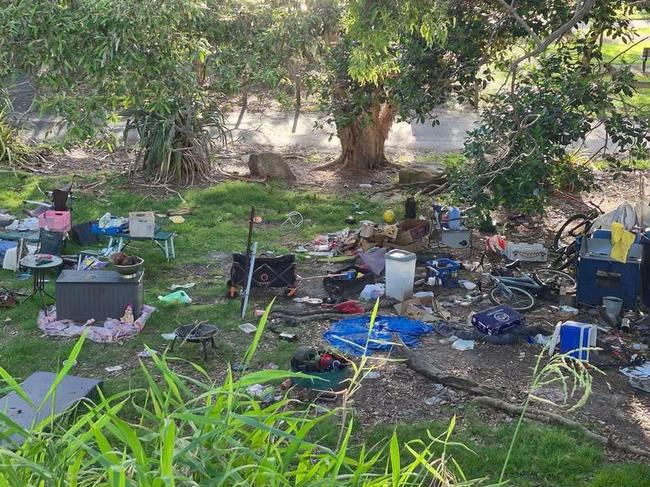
x: 111, y: 331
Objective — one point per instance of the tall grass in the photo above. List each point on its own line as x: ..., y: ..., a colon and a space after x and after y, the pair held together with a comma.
x: 189, y: 430
x: 13, y: 152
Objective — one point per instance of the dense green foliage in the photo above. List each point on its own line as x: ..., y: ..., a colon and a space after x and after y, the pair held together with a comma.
x: 526, y: 142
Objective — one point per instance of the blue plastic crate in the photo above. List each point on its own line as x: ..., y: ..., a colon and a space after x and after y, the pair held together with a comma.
x: 443, y: 268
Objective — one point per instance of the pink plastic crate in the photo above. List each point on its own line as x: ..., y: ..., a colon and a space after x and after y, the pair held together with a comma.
x: 56, y: 221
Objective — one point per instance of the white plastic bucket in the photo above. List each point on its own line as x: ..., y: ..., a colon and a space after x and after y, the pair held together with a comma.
x: 613, y: 306
x: 400, y: 274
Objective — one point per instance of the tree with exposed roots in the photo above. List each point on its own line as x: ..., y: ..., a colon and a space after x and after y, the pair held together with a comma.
x: 403, y: 59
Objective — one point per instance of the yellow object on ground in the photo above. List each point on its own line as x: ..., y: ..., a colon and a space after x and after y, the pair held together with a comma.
x: 622, y: 240
x: 389, y: 217
x: 177, y: 219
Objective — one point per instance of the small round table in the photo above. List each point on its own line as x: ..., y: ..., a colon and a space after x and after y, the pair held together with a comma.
x: 38, y: 269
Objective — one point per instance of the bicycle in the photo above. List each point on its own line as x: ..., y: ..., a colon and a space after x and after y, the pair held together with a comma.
x: 565, y: 246
x: 519, y: 292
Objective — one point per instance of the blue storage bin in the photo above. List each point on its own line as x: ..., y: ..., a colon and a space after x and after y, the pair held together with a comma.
x: 577, y: 338
x: 599, y: 275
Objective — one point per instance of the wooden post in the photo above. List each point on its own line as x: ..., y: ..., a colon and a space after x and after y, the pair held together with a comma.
x: 298, y: 104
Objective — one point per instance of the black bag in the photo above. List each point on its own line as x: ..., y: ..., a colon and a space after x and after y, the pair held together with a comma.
x: 341, y: 287
x: 268, y: 271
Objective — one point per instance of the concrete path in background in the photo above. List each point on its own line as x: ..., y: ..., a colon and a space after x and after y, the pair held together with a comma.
x: 274, y: 130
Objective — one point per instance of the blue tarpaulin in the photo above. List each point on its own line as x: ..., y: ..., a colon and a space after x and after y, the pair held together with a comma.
x: 351, y: 335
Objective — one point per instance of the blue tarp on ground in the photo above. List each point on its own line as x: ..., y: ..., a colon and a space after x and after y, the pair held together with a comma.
x: 350, y: 335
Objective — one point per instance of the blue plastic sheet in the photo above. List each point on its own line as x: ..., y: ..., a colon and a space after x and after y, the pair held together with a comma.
x: 351, y: 335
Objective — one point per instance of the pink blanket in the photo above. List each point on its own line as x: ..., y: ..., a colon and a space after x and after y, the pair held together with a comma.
x: 111, y: 331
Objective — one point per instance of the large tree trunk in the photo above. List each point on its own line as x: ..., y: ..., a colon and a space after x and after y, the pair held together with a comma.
x: 362, y: 142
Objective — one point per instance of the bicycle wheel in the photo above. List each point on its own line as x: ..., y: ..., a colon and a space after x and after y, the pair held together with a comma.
x: 567, y: 257
x: 574, y: 227
x: 554, y: 278
x: 514, y: 297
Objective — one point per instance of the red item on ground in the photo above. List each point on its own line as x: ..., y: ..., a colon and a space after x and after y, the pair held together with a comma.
x: 350, y: 307
x: 326, y: 361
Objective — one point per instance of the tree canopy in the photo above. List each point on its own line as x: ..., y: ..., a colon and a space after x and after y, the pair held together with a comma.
x: 172, y: 67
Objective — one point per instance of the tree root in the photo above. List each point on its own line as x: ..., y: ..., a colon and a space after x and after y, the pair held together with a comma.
x: 433, y: 189
x: 422, y: 366
x: 486, y: 397
x: 553, y: 418
x: 240, y: 178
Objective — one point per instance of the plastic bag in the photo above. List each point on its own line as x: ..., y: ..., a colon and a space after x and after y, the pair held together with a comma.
x: 177, y: 297
x: 372, y: 291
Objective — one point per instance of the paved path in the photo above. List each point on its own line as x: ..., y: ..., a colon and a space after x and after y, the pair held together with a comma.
x: 273, y: 129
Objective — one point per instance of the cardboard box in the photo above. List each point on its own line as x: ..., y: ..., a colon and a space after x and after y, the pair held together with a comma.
x: 142, y: 224
x: 411, y: 231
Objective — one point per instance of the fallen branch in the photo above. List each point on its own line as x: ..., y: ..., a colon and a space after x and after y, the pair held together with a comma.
x: 397, y: 186
x: 240, y: 178
x: 420, y: 364
x: 553, y: 418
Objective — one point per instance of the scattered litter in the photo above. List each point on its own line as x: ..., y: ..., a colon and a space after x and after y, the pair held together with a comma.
x: 308, y: 300
x: 260, y: 392
x: 540, y: 339
x: 372, y: 291
x: 365, y: 185
x: 294, y: 218
x: 288, y: 336
x: 176, y: 219
x: 176, y: 297
x: 271, y: 366
x: 113, y: 368
x: 349, y: 307
x: 258, y: 313
x: 248, y: 328
x: 525, y: 252
x: 238, y: 367
x: 467, y: 284
x: 168, y: 336
x: 189, y: 285
x: 639, y: 376
x: 569, y: 310
x: 300, y: 249
x: 372, y: 375
x: 463, y: 345
x: 147, y: 353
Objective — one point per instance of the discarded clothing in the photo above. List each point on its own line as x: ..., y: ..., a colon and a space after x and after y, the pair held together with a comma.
x: 622, y: 240
x: 375, y: 260
x: 352, y: 335
x: 111, y: 331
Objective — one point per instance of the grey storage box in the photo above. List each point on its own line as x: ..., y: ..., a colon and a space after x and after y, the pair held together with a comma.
x: 85, y: 295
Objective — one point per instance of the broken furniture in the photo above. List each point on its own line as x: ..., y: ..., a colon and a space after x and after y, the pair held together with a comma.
x: 164, y: 240
x: 599, y: 275
x: 201, y: 333
x: 69, y: 392
x: 38, y: 264
x: 97, y: 294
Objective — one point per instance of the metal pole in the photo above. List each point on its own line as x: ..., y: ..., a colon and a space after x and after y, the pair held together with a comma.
x: 249, y: 280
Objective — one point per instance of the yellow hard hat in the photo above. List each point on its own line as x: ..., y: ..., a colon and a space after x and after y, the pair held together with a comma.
x: 389, y: 217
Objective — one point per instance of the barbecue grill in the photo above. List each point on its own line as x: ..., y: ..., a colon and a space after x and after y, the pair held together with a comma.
x: 200, y: 333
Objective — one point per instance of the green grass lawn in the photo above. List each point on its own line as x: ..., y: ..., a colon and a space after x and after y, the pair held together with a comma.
x: 544, y: 455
